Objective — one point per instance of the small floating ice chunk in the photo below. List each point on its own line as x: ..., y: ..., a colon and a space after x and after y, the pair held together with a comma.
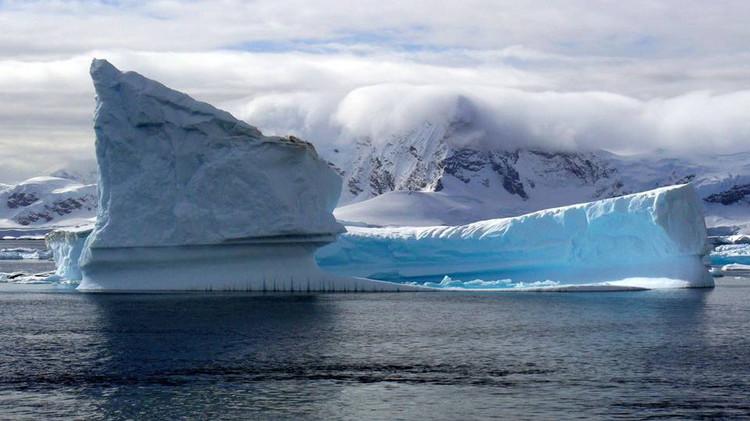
x: 23, y: 253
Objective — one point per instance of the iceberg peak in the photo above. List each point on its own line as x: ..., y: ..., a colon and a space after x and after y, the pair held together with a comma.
x: 111, y: 84
x: 102, y: 70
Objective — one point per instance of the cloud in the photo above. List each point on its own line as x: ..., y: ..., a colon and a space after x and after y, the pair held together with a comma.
x: 334, y: 98
x: 614, y: 75
x: 574, y: 26
x: 698, y: 122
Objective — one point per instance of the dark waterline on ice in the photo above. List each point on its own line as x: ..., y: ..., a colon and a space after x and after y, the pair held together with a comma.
x: 678, y: 353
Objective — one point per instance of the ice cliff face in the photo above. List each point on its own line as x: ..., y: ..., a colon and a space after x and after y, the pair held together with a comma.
x: 66, y: 246
x: 177, y: 171
x: 655, y: 234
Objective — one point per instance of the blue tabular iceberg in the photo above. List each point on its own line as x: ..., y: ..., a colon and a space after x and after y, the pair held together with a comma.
x: 645, y: 240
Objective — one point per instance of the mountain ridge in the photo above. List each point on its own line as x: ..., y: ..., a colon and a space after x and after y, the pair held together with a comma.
x: 437, y: 159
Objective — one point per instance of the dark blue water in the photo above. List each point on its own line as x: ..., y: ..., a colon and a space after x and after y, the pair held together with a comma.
x: 30, y: 265
x: 680, y: 353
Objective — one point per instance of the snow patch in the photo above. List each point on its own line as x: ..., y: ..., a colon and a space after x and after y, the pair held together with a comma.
x: 735, y: 267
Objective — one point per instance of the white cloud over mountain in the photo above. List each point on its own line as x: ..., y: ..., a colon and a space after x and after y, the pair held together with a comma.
x: 624, y: 76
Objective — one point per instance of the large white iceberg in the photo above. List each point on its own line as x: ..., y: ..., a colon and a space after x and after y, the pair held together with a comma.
x: 645, y: 240
x: 192, y: 198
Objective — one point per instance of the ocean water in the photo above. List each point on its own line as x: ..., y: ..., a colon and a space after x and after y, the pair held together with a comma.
x: 28, y: 266
x: 445, y: 355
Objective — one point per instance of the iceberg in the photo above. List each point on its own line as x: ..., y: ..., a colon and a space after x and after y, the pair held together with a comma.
x: 726, y: 254
x: 66, y: 246
x: 649, y: 240
x: 191, y: 198
x: 736, y: 268
x: 24, y: 253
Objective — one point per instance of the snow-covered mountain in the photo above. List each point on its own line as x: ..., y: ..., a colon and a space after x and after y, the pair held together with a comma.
x: 43, y: 202
x: 446, y: 173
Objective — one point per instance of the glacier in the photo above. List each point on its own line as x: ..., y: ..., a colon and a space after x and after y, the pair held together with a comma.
x: 190, y: 198
x: 730, y: 250
x: 652, y: 239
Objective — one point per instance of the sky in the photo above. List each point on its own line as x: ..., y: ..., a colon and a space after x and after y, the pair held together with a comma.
x: 626, y: 76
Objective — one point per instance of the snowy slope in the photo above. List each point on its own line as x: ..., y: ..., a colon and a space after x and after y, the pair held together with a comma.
x: 414, y: 208
x: 492, y: 181
x: 83, y: 176
x: 641, y: 240
x: 46, y: 202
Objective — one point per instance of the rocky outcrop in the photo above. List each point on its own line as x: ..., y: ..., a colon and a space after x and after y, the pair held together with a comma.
x: 736, y: 194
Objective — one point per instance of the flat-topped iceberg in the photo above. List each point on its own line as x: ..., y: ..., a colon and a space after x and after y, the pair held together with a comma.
x: 645, y: 240
x: 192, y: 198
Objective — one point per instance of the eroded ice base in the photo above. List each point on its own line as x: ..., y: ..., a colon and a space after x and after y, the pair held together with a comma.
x: 267, y: 267
x: 281, y: 265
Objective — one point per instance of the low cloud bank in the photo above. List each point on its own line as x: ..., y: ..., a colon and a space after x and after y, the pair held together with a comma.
x: 696, y: 122
x: 334, y: 98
